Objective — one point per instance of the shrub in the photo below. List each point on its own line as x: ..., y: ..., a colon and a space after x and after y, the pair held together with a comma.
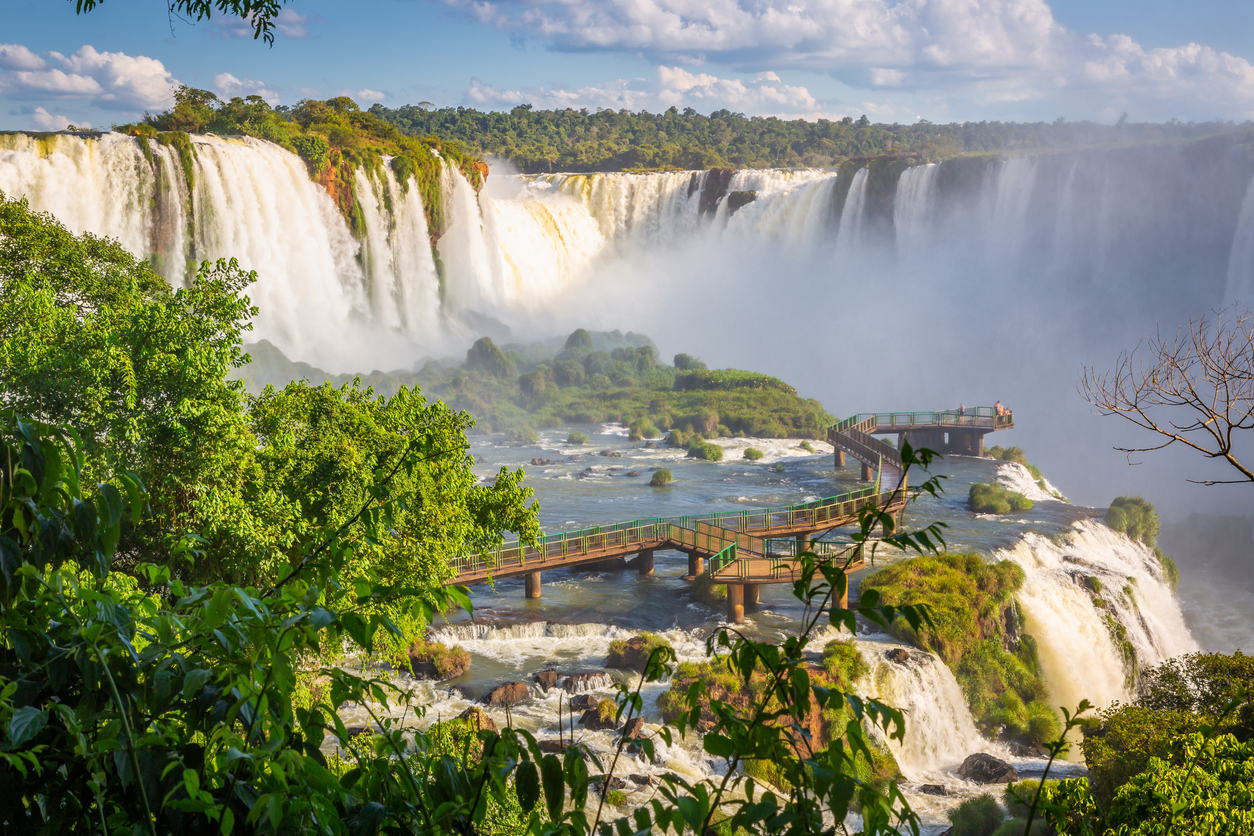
x: 446, y: 661
x: 702, y: 449
x: 642, y: 428
x: 843, y: 661
x: 994, y: 499
x: 1202, y: 683
x: 615, y: 798
x: 779, y: 468
x: 678, y: 438
x: 1122, y: 741
x: 633, y: 653
x: 1134, y: 517
x: 753, y: 454
x: 579, y: 340
x: 1094, y: 583
x: 1007, y: 454
x: 522, y: 435
x: 485, y: 356
x: 807, y: 446
x: 687, y: 363
x: 729, y: 379
x: 577, y: 438
x: 1171, y: 573
x: 661, y: 478
x: 978, y: 816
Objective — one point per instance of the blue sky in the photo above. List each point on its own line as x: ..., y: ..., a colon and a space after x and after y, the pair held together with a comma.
x: 895, y: 60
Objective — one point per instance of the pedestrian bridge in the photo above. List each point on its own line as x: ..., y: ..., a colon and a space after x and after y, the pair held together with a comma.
x: 746, y: 548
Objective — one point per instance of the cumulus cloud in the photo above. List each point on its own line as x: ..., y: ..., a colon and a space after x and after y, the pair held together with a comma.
x: 670, y: 87
x: 18, y: 57
x: 228, y: 87
x: 371, y: 96
x: 111, y: 80
x: 42, y: 120
x: 990, y: 50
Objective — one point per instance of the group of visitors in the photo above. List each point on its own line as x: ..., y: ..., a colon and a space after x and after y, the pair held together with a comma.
x: 997, y: 408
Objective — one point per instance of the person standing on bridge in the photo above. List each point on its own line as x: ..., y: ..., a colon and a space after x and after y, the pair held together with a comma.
x: 962, y: 409
x: 999, y: 409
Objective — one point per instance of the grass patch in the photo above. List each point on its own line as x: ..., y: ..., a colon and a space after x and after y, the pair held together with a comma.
x: 753, y: 454
x: 844, y: 663
x: 705, y: 590
x: 704, y: 450
x: 994, y: 499
x: 979, y: 816
x: 577, y: 438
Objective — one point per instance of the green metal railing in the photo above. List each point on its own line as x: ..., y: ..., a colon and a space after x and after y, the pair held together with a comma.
x: 978, y: 416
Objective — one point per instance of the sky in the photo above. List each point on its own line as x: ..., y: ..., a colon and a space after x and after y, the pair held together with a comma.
x: 893, y: 60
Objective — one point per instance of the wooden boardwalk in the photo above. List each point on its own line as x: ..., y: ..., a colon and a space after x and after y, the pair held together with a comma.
x: 749, y: 548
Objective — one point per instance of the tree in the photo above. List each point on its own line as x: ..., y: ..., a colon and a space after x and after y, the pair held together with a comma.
x: 1195, y: 389
x: 261, y: 14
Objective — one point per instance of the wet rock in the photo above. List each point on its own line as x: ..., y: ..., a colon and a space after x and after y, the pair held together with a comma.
x: 580, y: 683
x: 585, y: 473
x: 358, y: 731
x: 592, y: 720
x: 983, y: 768
x: 511, y: 693
x: 611, y: 454
x: 631, y: 656
x: 478, y: 719
x: 546, y: 679
x: 614, y: 783
x: 652, y: 445
x: 633, y: 729
x: 582, y: 701
x: 632, y: 473
x: 459, y: 691
x: 422, y: 663
x: 559, y: 747
x: 933, y: 789
x: 539, y: 461
x: 899, y: 655
x: 641, y: 779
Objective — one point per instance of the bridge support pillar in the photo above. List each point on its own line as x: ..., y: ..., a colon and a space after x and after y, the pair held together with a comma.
x: 840, y: 457
x: 966, y: 442
x: 533, y: 584
x: 696, y: 564
x: 644, y: 562
x: 843, y: 603
x: 751, y: 594
x: 867, y: 475
x: 803, y: 543
x: 735, y: 603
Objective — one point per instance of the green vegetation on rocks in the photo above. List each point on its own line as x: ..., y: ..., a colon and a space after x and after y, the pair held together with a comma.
x: 979, y: 816
x: 432, y: 660
x: 577, y: 438
x: 978, y: 633
x: 988, y: 498
x: 633, y: 653
x: 661, y: 478
x: 706, y: 590
x: 753, y: 454
x: 334, y: 138
x: 601, y: 377
x: 1137, y: 518
x: 704, y: 450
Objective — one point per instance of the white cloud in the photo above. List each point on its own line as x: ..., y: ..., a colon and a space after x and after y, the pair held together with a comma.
x: 980, y: 50
x: 18, y: 57
x: 228, y: 87
x: 671, y: 87
x: 287, y: 23
x: 111, y: 80
x: 370, y: 96
x: 45, y: 121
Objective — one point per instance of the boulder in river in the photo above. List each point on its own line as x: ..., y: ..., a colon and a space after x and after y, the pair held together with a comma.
x: 612, y: 454
x: 511, y: 693
x: 600, y: 717
x: 652, y: 445
x: 633, y: 729
x: 582, y: 701
x: 546, y: 679
x: 933, y: 789
x: 983, y: 768
x: 899, y: 655
x: 478, y: 719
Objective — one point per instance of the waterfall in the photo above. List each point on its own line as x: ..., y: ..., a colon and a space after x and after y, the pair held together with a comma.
x: 940, y: 731
x: 1009, y: 191
x: 853, y: 215
x: 913, y: 206
x: 654, y: 208
x: 795, y: 210
x: 1241, y: 257
x: 1090, y: 650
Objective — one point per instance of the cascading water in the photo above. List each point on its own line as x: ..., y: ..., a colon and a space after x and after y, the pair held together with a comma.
x: 914, y: 207
x: 852, y: 216
x: 1241, y: 257
x: 1089, y: 650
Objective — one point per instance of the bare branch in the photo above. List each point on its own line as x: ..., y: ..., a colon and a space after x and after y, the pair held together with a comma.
x: 1195, y: 389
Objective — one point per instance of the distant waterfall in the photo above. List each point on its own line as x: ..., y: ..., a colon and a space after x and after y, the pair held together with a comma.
x: 1241, y: 258
x: 854, y: 214
x: 1081, y: 655
x: 914, y: 206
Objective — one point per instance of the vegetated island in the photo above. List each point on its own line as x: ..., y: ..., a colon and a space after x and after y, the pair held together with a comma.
x: 585, y: 378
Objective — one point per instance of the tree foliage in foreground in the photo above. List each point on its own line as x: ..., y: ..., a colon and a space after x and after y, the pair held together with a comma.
x: 92, y: 337
x: 261, y: 15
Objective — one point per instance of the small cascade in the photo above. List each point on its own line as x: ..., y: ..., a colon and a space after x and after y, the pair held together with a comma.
x: 1008, y: 194
x: 796, y: 211
x: 585, y: 683
x: 1241, y: 257
x: 914, y: 205
x: 472, y: 261
x: 854, y: 213
x: 1018, y: 478
x: 940, y: 731
x: 1093, y: 636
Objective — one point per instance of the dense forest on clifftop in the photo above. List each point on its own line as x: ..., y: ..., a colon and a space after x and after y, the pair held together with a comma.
x: 616, y: 140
